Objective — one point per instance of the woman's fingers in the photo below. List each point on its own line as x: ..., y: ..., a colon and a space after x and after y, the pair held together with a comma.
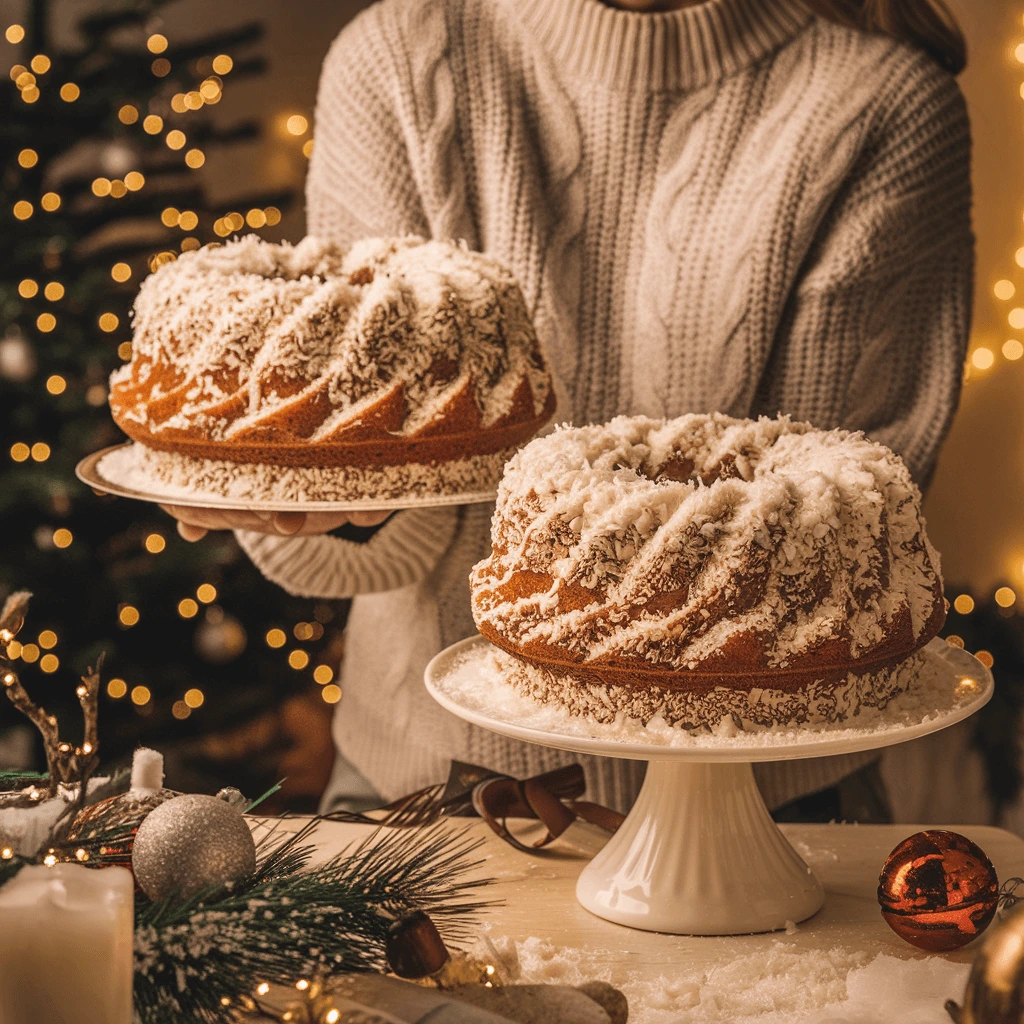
x: 368, y: 518
x: 190, y: 533
x: 195, y: 523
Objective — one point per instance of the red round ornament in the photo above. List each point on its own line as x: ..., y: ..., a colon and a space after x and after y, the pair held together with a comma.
x: 938, y: 890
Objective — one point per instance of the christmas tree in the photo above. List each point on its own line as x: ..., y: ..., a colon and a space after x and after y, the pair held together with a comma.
x: 102, y: 145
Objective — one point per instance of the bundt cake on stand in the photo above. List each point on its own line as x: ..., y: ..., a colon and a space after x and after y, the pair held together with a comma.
x: 705, y: 593
x: 396, y: 369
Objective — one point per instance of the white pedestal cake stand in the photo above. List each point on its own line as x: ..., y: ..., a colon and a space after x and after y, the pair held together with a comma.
x: 699, y: 853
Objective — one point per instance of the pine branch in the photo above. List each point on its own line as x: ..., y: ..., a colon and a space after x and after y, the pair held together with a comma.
x: 289, y: 921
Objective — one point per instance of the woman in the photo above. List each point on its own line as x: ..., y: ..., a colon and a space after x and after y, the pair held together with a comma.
x: 752, y: 206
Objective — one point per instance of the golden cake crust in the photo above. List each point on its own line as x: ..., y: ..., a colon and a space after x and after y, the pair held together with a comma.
x: 395, y: 351
x: 707, y: 553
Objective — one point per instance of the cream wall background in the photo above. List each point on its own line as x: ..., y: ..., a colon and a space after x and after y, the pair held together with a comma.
x: 976, y: 503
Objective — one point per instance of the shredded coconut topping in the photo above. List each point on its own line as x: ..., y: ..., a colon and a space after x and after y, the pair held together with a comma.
x: 307, y: 340
x: 675, y: 541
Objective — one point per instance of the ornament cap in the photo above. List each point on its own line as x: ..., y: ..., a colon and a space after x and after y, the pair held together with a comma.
x: 147, y: 770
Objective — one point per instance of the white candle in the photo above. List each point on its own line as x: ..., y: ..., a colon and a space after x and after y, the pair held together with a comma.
x: 66, y: 946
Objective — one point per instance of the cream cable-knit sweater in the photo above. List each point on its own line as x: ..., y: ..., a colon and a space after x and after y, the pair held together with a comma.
x: 735, y: 206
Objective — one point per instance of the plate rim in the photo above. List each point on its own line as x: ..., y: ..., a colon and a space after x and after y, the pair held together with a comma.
x: 87, y: 471
x: 639, y: 750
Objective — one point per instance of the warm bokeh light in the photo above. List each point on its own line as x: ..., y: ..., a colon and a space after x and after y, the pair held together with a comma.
x: 62, y: 538
x: 1004, y: 290
x: 40, y: 63
x: 54, y: 291
x: 117, y: 688
x: 1016, y: 318
x: 180, y: 710
x: 128, y: 114
x: 1005, y: 597
x: 194, y: 698
x: 303, y: 631
x: 161, y: 258
x: 190, y: 244
x: 47, y: 639
x: 49, y: 663
x: 161, y: 67
x: 298, y: 659
x: 20, y: 452
x: 28, y: 158
x: 1012, y: 350
x: 964, y: 604
x: 50, y: 202
x: 30, y: 654
x: 101, y: 187
x: 56, y: 384
x: 207, y: 593
x: 155, y: 543
x: 307, y: 148
x: 28, y: 288
x: 153, y: 124
x: 323, y: 674
x: 156, y: 43
x: 108, y: 322
x: 169, y: 217
x: 982, y: 358
x: 14, y: 34
x: 195, y: 158
x: 955, y: 641
x: 46, y: 322
x: 297, y: 125
x: 120, y: 272
x: 22, y: 209
x: 134, y: 180
x: 124, y: 350
x: 273, y: 215
x: 40, y: 451
x: 276, y: 638
x: 128, y: 615
x: 118, y: 189
x: 188, y: 220
x: 69, y: 92
x: 222, y: 64
x: 331, y: 694
x: 175, y: 138
x: 255, y: 218
x: 141, y: 695
x: 985, y: 657
x: 1019, y: 53
x: 188, y: 608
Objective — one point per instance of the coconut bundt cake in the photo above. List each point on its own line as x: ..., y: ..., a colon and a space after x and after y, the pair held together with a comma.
x: 412, y: 365
x: 707, y: 567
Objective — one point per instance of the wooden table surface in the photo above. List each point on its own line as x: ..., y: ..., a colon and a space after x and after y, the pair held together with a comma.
x: 539, y: 900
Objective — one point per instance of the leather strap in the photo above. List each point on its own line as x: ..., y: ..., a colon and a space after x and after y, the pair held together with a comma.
x: 550, y: 798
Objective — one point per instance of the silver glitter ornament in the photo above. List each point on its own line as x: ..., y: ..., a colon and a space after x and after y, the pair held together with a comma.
x: 189, y: 844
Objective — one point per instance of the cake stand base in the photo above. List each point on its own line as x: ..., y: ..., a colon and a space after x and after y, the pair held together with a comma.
x: 699, y: 855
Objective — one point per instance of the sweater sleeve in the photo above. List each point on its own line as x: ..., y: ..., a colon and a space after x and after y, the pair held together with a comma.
x: 886, y: 289
x: 360, y: 183
x: 404, y: 551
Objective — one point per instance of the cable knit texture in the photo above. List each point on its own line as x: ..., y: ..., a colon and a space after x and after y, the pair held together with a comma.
x: 736, y: 206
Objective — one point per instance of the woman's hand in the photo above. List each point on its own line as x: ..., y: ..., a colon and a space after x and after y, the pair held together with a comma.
x: 195, y: 523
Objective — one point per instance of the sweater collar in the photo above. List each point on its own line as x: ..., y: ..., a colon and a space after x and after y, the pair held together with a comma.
x: 672, y: 50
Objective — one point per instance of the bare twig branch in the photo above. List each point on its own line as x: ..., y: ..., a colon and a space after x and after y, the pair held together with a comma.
x: 12, y: 618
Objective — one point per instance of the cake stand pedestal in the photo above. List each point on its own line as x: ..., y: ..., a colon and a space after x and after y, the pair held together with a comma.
x: 698, y: 853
